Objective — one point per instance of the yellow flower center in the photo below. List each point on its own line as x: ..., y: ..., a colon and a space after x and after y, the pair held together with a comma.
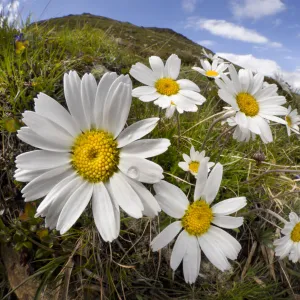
x: 197, y: 218
x: 95, y: 155
x: 247, y: 104
x: 212, y: 73
x: 288, y: 120
x: 194, y: 166
x: 167, y: 86
x: 295, y: 235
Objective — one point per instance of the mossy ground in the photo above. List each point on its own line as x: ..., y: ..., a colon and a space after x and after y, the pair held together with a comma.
x: 79, y: 264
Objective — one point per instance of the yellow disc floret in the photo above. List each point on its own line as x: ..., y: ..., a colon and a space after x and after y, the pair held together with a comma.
x: 247, y: 104
x: 295, y: 235
x: 288, y: 121
x: 167, y: 86
x: 212, y: 73
x: 95, y: 155
x: 197, y: 218
x: 194, y: 166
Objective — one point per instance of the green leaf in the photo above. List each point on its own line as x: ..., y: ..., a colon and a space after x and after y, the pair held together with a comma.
x: 12, y: 125
x: 18, y: 246
x: 28, y: 245
x: 42, y: 233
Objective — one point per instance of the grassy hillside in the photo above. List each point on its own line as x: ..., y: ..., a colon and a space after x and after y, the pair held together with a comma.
x: 145, y: 41
x: 39, y: 262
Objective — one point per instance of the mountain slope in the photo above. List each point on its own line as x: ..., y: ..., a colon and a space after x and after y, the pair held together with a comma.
x: 145, y: 41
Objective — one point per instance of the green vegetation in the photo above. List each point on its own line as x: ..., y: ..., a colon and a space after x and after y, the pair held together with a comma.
x: 79, y: 264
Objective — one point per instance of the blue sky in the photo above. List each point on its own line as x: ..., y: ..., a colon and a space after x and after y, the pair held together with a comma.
x: 260, y: 34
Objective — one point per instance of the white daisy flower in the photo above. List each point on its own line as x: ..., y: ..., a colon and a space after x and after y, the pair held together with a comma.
x: 196, y: 220
x: 289, y: 245
x: 292, y: 121
x: 191, y: 163
x: 213, y: 70
x: 163, y: 88
x: 254, y: 104
x: 88, y: 155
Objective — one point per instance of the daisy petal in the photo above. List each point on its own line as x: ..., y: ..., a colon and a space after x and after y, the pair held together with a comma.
x: 47, y: 129
x: 172, y: 67
x: 228, y: 222
x: 52, y: 206
x: 173, y: 210
x: 226, y: 243
x: 186, y: 84
x: 194, y: 96
x: 26, y: 135
x: 179, y: 249
x: 41, y: 159
x: 157, y: 66
x: 265, y: 130
x: 150, y: 97
x: 125, y: 196
x: 170, y: 111
x: 136, y: 131
x: 184, y: 103
x: 57, y: 191
x: 227, y: 97
x: 191, y: 261
x: 173, y: 195
x: 257, y: 84
x: 143, y: 74
x: 166, y: 236
x: 164, y: 101
x: 51, y: 109
x: 215, y: 255
x: 75, y: 206
x: 41, y: 186
x: 88, y: 96
x: 72, y: 90
x: 143, y: 90
x: 213, y: 183
x: 101, y: 95
x: 146, y: 148
x: 105, y: 213
x: 151, y: 206
x: 117, y: 108
x: 27, y: 175
x: 201, y: 180
x: 229, y: 206
x: 183, y: 165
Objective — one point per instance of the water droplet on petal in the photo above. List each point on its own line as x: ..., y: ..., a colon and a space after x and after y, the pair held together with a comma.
x: 133, y: 173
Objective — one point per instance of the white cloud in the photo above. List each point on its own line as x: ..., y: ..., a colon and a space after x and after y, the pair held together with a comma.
x: 256, y: 9
x: 206, y: 43
x: 229, y: 30
x: 276, y: 45
x: 189, y: 6
x: 264, y: 66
